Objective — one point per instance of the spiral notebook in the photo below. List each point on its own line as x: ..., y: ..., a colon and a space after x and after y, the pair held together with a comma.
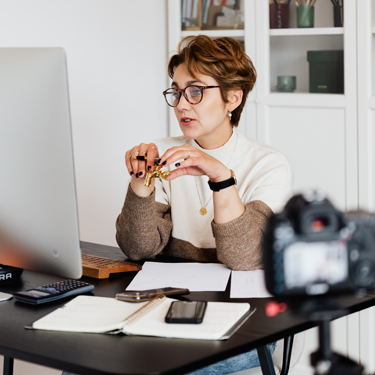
x: 107, y: 315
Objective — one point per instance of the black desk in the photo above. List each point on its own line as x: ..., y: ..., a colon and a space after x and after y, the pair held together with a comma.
x: 96, y: 354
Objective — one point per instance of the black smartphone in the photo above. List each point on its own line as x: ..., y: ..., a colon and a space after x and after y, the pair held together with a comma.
x: 191, y: 312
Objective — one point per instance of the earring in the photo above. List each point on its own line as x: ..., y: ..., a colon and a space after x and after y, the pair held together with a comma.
x: 230, y: 115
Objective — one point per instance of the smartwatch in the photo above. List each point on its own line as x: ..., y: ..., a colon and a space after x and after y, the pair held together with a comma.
x: 217, y: 186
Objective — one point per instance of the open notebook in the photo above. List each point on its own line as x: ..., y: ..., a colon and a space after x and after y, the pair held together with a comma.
x: 108, y: 315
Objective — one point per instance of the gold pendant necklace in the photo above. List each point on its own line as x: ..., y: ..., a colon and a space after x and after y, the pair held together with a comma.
x: 203, y: 209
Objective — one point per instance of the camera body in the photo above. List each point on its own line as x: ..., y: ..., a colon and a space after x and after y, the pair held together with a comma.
x: 311, y: 249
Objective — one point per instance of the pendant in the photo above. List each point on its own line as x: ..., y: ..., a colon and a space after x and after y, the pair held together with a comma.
x: 203, y: 211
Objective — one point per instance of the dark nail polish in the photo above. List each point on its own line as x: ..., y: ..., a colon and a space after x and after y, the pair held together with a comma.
x: 140, y: 174
x: 177, y: 164
x: 159, y: 162
x: 149, y: 168
x: 164, y: 162
x: 131, y: 173
x: 136, y: 175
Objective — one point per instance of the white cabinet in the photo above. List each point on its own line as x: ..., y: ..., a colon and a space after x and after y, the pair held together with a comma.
x: 366, y: 148
x: 317, y: 132
x: 366, y: 103
x: 328, y: 138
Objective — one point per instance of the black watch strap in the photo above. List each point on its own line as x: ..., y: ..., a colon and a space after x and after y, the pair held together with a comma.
x: 217, y: 186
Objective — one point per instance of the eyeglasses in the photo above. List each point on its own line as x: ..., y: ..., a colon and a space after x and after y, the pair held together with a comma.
x: 193, y: 94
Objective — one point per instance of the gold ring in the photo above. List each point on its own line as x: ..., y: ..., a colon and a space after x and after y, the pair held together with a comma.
x: 142, y: 153
x: 188, y: 155
x: 152, y: 147
x: 135, y: 157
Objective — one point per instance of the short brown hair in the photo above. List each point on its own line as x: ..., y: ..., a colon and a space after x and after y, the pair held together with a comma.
x: 223, y: 59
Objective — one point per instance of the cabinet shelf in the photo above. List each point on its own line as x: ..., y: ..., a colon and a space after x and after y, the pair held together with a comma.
x: 307, y: 31
x: 215, y: 33
x: 305, y: 100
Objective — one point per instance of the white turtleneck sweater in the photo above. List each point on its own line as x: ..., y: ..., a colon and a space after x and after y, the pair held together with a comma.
x: 169, y: 221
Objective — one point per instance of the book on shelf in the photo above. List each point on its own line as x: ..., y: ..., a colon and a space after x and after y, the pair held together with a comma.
x: 190, y: 13
x: 107, y: 315
x: 206, y: 5
x: 207, y: 14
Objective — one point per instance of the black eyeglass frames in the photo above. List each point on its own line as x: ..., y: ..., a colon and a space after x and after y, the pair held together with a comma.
x: 193, y: 94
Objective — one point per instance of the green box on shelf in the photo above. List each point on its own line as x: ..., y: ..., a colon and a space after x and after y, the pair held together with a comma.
x: 326, y: 71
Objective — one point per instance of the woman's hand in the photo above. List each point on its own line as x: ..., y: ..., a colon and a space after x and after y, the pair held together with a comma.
x: 138, y: 168
x: 227, y: 203
x: 195, y: 163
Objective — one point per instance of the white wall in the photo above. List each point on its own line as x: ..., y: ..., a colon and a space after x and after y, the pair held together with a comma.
x: 116, y: 53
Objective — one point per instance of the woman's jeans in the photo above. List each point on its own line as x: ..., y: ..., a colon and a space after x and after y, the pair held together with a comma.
x: 227, y: 366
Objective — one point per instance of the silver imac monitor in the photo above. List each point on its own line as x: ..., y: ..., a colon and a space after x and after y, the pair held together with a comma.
x: 38, y: 206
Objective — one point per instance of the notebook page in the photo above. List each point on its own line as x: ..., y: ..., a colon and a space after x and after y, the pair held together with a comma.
x: 218, y: 319
x: 197, y: 277
x: 88, y: 314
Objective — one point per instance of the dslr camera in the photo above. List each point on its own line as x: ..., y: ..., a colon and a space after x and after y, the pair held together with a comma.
x: 312, y: 249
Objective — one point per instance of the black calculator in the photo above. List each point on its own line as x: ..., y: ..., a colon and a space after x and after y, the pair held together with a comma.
x: 52, y: 292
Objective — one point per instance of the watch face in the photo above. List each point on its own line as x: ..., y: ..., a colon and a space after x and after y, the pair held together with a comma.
x: 234, y: 177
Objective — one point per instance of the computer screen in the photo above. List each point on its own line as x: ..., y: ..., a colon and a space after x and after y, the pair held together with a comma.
x: 38, y: 205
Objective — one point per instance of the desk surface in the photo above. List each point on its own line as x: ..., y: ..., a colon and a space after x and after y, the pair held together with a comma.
x: 95, y: 354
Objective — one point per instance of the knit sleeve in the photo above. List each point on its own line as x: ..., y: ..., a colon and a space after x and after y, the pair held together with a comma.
x: 143, y: 227
x: 238, y: 243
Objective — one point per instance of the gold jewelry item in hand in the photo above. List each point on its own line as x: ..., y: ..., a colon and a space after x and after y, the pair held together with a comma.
x: 155, y: 172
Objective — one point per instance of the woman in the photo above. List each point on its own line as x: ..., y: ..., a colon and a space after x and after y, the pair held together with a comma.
x: 184, y: 216
x: 222, y: 186
x: 211, y: 80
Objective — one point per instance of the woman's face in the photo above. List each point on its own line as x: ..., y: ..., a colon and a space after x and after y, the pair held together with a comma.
x: 207, y: 122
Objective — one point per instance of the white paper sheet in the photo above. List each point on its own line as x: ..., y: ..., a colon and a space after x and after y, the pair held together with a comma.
x: 197, y: 277
x: 248, y: 284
